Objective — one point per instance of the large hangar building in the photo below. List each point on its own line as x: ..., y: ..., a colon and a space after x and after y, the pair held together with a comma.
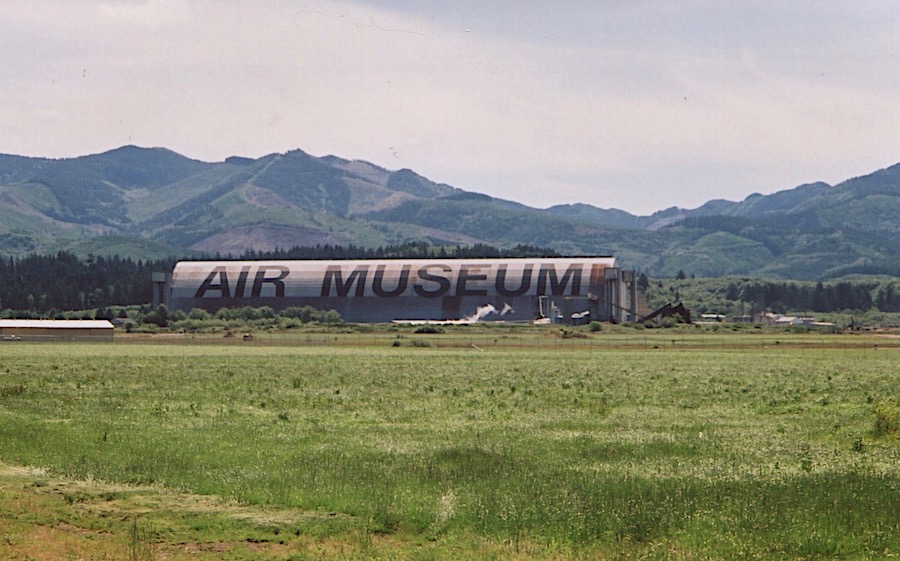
x: 571, y: 290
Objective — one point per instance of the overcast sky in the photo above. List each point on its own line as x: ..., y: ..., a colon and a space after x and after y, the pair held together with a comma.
x: 630, y: 104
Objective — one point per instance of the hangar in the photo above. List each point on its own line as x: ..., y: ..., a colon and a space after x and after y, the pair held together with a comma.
x: 363, y: 291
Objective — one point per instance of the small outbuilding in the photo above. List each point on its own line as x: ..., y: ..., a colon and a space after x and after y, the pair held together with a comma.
x: 55, y: 329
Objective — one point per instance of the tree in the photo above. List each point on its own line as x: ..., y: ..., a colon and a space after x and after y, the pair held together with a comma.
x: 160, y: 316
x: 643, y: 283
x: 821, y: 301
x: 731, y: 292
x: 886, y: 297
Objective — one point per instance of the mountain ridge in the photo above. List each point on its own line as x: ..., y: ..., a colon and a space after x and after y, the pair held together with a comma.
x: 163, y: 200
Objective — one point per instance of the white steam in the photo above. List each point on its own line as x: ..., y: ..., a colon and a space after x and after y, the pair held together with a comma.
x: 483, y: 312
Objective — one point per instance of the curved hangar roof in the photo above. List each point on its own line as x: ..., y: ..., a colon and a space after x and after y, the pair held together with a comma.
x: 385, y: 290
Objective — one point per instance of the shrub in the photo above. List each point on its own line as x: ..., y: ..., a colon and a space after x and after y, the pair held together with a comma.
x: 330, y: 317
x: 305, y: 314
x: 158, y: 317
x: 308, y: 314
x: 669, y: 322
x: 595, y: 327
x: 249, y: 313
x: 199, y: 314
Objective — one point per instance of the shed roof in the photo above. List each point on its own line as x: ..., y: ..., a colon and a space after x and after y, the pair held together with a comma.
x: 55, y: 324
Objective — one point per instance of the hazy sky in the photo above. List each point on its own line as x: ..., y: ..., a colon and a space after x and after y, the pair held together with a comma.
x: 638, y: 105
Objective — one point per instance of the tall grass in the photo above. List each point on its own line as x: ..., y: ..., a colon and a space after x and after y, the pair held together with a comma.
x: 721, y: 454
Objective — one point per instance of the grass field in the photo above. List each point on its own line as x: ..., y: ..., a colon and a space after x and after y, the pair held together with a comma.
x: 464, y: 445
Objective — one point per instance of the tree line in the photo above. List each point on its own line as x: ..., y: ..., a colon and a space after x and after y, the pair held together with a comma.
x: 412, y: 250
x: 819, y: 297
x: 760, y: 295
x: 50, y: 283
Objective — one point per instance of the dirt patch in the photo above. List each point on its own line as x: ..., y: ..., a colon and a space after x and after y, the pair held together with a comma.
x: 109, y: 499
x: 45, y: 517
x: 17, y: 472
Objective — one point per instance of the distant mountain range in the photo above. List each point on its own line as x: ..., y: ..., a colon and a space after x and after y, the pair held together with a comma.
x: 152, y: 203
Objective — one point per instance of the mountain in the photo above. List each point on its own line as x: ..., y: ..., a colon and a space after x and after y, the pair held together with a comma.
x: 151, y: 202
x: 812, y: 232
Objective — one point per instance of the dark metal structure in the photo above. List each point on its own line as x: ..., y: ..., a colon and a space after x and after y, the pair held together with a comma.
x: 669, y: 311
x: 523, y: 289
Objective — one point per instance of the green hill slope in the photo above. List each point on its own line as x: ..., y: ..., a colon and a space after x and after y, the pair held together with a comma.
x: 151, y: 202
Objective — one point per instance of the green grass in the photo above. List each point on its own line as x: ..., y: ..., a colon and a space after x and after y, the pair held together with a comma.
x: 562, y: 449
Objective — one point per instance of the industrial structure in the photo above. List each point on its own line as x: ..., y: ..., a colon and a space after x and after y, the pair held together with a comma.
x: 569, y: 290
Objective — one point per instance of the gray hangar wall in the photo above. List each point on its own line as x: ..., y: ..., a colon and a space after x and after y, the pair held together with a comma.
x: 412, y: 289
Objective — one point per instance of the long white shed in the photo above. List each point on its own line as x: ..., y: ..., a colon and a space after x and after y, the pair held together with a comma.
x: 48, y: 329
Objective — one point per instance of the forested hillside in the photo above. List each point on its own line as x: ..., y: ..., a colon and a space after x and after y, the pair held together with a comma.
x: 151, y: 203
